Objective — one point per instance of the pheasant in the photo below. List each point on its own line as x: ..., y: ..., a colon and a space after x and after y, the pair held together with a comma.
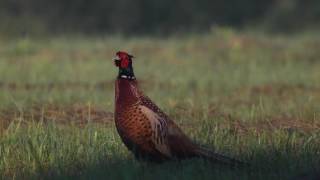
x: 145, y: 129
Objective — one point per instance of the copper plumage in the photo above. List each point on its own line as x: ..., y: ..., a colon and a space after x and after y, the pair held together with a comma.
x: 145, y: 129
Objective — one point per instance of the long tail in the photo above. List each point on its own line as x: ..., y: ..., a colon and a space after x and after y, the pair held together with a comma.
x: 218, y: 158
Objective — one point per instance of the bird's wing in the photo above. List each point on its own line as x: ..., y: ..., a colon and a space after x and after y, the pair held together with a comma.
x: 159, y: 130
x: 176, y: 142
x: 170, y: 140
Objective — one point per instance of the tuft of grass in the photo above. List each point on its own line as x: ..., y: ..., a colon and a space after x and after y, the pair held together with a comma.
x: 50, y: 151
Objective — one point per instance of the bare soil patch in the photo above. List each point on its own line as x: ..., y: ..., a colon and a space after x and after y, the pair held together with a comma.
x: 60, y: 86
x: 79, y: 115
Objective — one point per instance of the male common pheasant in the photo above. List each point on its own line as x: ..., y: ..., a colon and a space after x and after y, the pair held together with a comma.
x: 147, y: 131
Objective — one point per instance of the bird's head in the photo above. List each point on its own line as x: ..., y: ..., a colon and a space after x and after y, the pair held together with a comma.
x: 123, y: 60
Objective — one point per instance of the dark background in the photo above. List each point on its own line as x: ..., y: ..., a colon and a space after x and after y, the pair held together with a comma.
x: 154, y: 16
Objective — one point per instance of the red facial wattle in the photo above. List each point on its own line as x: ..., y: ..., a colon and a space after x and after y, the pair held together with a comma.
x: 124, y: 63
x: 122, y: 60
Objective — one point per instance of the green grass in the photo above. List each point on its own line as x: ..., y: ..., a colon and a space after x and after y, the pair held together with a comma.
x: 251, y: 96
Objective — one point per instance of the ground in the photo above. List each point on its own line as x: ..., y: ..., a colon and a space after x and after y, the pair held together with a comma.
x: 248, y: 95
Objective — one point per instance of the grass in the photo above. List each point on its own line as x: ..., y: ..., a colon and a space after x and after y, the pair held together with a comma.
x: 249, y: 95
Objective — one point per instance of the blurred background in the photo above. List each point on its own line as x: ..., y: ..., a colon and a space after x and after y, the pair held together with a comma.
x: 37, y: 17
x: 239, y: 76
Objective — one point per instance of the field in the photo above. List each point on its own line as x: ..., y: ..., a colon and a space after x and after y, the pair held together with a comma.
x: 252, y: 96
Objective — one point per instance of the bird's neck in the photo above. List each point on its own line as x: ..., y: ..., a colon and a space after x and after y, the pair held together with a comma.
x: 126, y: 93
x: 126, y: 73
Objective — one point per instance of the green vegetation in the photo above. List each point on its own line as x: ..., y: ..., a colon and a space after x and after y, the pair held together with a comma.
x: 38, y: 18
x: 249, y: 95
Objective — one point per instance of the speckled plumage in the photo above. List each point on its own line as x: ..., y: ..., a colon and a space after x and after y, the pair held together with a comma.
x: 148, y: 132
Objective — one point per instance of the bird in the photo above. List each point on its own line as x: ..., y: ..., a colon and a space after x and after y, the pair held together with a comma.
x: 148, y: 132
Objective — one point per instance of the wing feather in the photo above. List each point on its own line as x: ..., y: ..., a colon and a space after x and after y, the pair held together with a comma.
x: 159, y: 128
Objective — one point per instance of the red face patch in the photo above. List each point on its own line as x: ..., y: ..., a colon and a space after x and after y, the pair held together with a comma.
x: 124, y: 63
x: 124, y: 59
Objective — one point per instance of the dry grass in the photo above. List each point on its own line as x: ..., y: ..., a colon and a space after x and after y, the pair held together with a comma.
x: 252, y: 96
x: 79, y: 115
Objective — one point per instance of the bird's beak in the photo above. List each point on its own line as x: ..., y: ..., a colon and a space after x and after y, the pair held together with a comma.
x: 117, y: 61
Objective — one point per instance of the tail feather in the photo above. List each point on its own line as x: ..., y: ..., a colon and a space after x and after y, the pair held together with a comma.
x: 218, y: 158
